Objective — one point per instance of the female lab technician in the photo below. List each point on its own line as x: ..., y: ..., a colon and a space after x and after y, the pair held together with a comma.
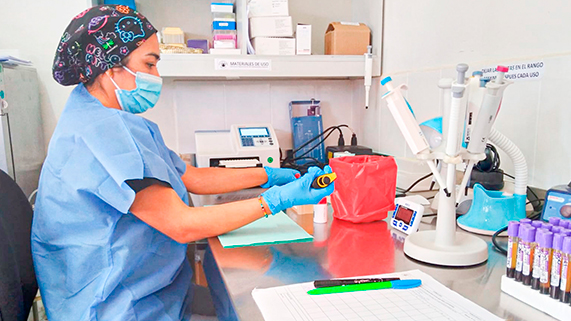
x: 112, y: 217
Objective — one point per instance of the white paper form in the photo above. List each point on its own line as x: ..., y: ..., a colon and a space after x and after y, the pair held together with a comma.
x: 430, y: 302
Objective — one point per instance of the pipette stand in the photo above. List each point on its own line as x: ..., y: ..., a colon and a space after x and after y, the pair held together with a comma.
x: 445, y: 246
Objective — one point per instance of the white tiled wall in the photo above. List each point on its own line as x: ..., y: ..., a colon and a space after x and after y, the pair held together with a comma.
x: 187, y: 106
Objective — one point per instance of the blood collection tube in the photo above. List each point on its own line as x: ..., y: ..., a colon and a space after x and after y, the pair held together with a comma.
x: 513, y: 240
x: 536, y: 224
x: 554, y: 221
x: 557, y: 229
x: 519, y: 257
x: 547, y: 226
x: 528, y: 250
x: 536, y: 271
x: 565, y: 285
x: 554, y: 291
x: 564, y: 223
x: 525, y: 221
x: 545, y: 257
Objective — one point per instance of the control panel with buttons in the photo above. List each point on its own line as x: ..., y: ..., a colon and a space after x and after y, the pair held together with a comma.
x: 255, y: 137
x: 407, y: 215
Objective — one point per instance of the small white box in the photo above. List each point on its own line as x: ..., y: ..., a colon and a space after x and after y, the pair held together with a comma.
x: 271, y: 27
x: 267, y: 8
x: 221, y: 7
x: 274, y: 46
x: 224, y: 44
x: 213, y: 51
x: 303, y: 39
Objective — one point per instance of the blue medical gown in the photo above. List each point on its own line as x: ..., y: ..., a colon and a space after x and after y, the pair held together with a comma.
x: 93, y: 258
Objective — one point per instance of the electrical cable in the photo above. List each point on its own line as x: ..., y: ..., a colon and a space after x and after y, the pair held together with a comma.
x: 314, y: 147
x: 497, y: 246
x: 303, y: 168
x: 288, y: 160
x: 415, y: 183
x: 537, y: 200
x: 326, y: 131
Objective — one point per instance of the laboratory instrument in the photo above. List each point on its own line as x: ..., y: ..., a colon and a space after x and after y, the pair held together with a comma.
x: 445, y: 246
x: 341, y: 282
x: 324, y: 180
x: 407, y: 215
x: 306, y: 125
x: 401, y: 111
x: 242, y: 146
x: 368, y: 73
x: 557, y: 203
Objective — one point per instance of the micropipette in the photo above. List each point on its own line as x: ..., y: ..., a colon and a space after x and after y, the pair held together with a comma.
x: 408, y: 126
x: 368, y: 74
x: 452, y: 146
x: 486, y: 117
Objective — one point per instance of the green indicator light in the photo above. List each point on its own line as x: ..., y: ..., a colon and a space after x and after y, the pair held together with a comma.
x: 270, y: 160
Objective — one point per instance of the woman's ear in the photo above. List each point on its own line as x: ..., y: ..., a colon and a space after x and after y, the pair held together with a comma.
x: 109, y: 72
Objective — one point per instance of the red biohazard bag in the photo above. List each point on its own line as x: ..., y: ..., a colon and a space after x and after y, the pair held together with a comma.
x: 365, y: 187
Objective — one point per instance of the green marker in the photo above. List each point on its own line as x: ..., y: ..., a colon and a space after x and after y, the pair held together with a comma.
x: 398, y: 284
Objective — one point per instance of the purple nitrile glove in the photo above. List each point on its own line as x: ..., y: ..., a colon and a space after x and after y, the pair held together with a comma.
x: 298, y: 192
x: 280, y: 176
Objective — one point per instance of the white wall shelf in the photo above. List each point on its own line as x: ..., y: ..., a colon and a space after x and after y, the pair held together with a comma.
x: 188, y: 66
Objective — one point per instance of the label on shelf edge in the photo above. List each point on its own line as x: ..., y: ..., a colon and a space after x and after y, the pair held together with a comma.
x: 242, y: 64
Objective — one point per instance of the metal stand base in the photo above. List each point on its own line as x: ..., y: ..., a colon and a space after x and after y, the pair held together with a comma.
x: 467, y: 249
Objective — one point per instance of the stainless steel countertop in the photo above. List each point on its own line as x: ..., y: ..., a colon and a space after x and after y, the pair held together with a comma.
x: 342, y: 249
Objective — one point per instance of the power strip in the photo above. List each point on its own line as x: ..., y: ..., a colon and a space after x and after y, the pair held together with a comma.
x: 542, y: 302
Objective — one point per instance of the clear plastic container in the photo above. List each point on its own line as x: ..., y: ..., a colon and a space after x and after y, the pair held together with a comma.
x: 223, y: 16
x: 224, y: 32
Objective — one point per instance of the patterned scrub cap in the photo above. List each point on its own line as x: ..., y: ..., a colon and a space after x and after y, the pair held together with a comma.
x: 96, y: 40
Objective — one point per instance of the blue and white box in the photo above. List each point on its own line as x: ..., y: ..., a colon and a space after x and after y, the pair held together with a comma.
x: 306, y: 124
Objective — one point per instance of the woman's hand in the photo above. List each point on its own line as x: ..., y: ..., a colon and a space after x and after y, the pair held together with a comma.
x: 298, y: 192
x: 280, y: 176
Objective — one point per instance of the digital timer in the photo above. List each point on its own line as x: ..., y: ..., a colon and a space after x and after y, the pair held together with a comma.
x: 407, y: 216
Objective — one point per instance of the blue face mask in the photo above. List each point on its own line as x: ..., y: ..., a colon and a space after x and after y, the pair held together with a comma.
x: 142, y: 98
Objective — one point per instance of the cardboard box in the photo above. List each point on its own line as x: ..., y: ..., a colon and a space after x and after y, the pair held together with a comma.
x: 347, y: 38
x: 268, y: 8
x: 274, y: 46
x: 271, y: 27
x: 303, y: 39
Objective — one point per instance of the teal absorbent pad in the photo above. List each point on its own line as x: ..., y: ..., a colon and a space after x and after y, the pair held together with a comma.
x: 276, y: 229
